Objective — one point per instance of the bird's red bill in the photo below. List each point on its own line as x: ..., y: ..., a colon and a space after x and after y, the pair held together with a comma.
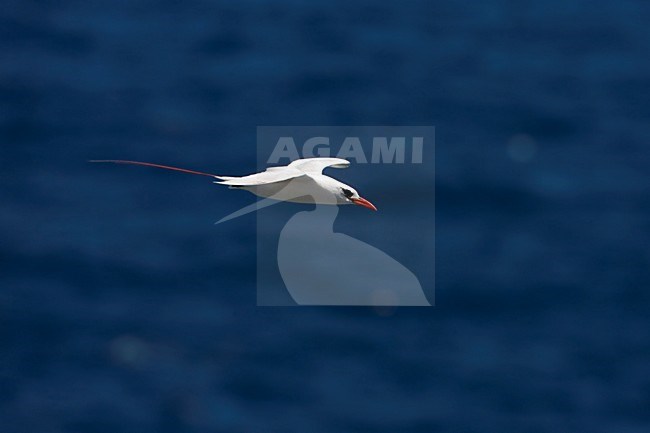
x: 363, y: 202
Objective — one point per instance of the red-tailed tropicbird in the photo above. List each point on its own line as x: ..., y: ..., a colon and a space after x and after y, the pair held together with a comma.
x: 302, y: 181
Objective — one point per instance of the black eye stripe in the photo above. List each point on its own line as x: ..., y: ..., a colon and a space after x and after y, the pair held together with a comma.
x: 347, y: 192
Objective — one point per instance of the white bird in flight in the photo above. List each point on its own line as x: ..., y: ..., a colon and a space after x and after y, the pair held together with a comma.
x: 302, y: 181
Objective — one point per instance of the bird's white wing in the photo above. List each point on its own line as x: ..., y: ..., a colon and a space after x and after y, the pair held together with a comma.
x: 271, y: 175
x: 317, y: 165
x: 297, y: 168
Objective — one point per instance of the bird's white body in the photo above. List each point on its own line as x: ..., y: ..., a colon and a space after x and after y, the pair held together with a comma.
x: 306, y: 189
x: 302, y: 181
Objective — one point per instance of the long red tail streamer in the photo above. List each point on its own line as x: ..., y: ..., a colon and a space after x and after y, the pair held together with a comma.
x: 149, y: 164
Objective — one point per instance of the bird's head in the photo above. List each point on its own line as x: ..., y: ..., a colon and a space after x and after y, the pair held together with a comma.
x: 347, y: 194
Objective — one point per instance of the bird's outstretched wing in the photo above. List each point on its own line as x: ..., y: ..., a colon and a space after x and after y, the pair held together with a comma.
x: 297, y: 168
x: 317, y: 165
x: 271, y: 175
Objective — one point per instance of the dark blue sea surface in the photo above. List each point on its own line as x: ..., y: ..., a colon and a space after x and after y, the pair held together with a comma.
x: 124, y: 309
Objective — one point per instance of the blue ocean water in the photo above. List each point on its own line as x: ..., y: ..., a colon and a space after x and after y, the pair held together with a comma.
x: 123, y: 308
